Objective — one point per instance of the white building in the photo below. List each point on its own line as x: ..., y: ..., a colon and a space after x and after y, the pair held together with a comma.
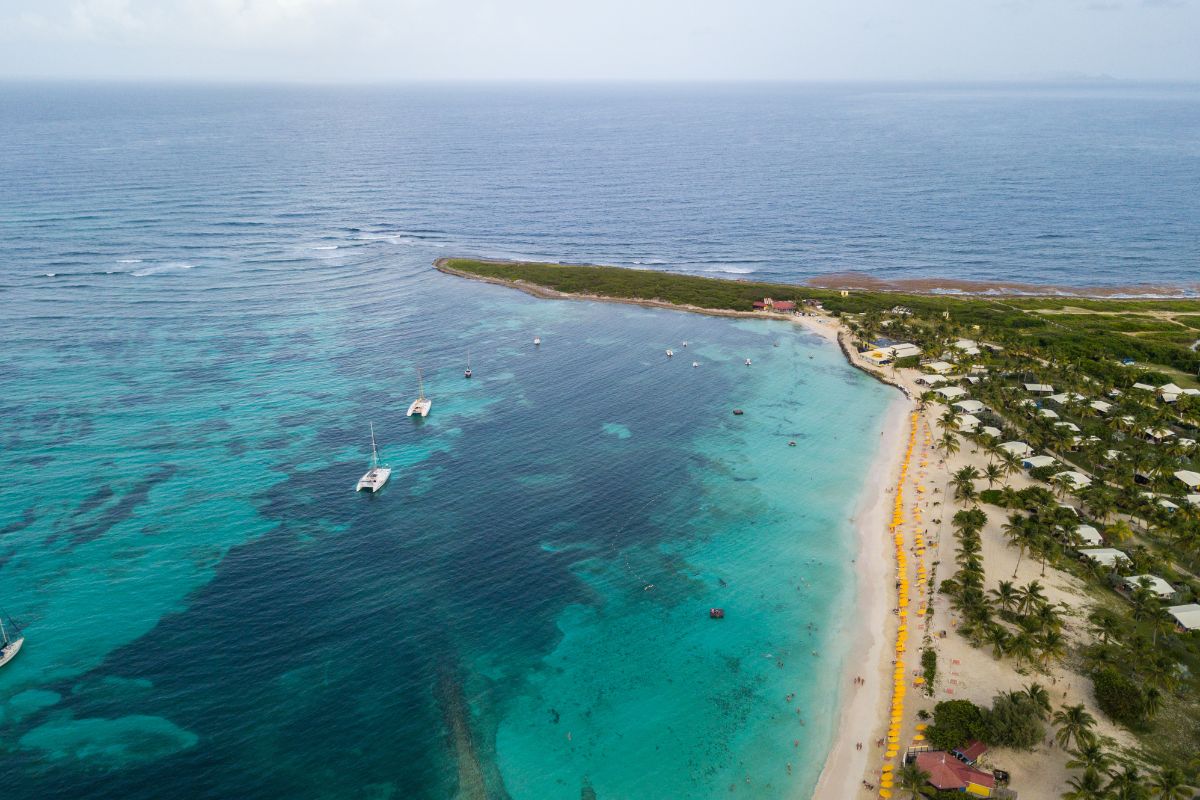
x: 1048, y: 413
x: 1034, y: 462
x: 989, y: 430
x: 1018, y: 449
x: 1187, y: 617
x: 968, y: 422
x: 1157, y: 586
x: 1101, y: 406
x: 951, y: 392
x: 1076, y: 479
x: 1189, y: 478
x: 1089, y: 536
x: 1105, y: 556
x: 969, y: 406
x: 940, y: 367
x: 1071, y: 426
x: 1039, y: 388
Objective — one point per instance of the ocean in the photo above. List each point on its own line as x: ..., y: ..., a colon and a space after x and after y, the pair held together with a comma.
x: 208, y: 294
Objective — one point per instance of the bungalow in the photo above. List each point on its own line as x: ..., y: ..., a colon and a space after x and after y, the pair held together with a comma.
x: 1048, y: 413
x: 968, y: 347
x: 767, y: 304
x: 1039, y: 388
x: 1112, y: 455
x: 785, y: 306
x: 1089, y: 535
x: 948, y: 774
x: 1101, y: 406
x: 1187, y: 617
x: 1035, y: 462
x: 887, y: 353
x: 1194, y: 499
x: 1018, y: 449
x: 1190, y: 479
x: 1145, y: 387
x: 1066, y: 397
x: 970, y: 753
x: 1157, y: 586
x: 1157, y: 435
x: 1169, y: 392
x: 1186, y: 444
x: 951, y: 392
x: 968, y: 423
x: 930, y: 380
x: 969, y: 406
x: 1077, y: 479
x: 1168, y: 506
x: 1071, y: 426
x: 940, y: 367
x: 1104, y: 556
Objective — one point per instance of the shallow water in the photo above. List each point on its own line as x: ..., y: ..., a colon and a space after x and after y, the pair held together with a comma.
x: 207, y: 294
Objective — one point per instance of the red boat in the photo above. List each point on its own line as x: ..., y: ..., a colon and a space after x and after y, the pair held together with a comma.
x: 716, y: 613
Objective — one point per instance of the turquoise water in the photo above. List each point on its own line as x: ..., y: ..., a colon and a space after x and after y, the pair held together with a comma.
x: 207, y: 294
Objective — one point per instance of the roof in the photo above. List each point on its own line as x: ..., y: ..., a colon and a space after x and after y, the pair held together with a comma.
x: 785, y: 305
x: 1071, y: 426
x: 1039, y: 387
x: 1188, y: 616
x: 947, y: 772
x: 1157, y: 585
x: 968, y: 422
x: 972, y: 751
x: 1033, y: 462
x: 1144, y: 386
x: 1160, y: 433
x: 1170, y: 388
x: 1077, y: 479
x: 1088, y: 535
x: 969, y: 406
x: 1194, y: 499
x: 1101, y: 406
x: 1049, y: 413
x: 1064, y: 397
x: 1104, y: 555
x: 1017, y: 448
x: 1191, y: 479
x: 951, y: 391
x: 939, y: 366
x: 991, y: 431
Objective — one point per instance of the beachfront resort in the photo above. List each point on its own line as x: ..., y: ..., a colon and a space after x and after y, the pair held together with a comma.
x: 1043, y: 540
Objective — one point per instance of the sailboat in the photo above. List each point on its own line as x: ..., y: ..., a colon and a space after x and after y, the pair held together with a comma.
x: 422, y: 404
x: 467, y: 373
x: 376, y: 476
x: 537, y: 340
x: 670, y: 353
x: 9, y: 646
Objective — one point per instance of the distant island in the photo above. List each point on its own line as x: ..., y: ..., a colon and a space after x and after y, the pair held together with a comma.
x: 1041, y: 558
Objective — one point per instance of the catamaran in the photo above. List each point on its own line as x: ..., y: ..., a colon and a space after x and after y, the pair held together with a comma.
x: 9, y: 646
x: 467, y: 374
x: 376, y: 476
x: 422, y: 404
x: 537, y: 340
x: 670, y: 353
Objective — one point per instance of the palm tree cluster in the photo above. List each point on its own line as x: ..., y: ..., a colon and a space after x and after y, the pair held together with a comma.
x: 1099, y: 775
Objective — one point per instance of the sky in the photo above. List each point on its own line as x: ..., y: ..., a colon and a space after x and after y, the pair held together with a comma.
x: 604, y: 40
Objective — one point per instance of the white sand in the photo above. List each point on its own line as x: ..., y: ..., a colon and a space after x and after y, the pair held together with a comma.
x: 872, y: 626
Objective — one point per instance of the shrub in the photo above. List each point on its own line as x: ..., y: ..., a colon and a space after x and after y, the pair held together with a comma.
x: 1013, y: 722
x: 955, y: 722
x: 1119, y: 697
x: 993, y: 497
x: 929, y: 666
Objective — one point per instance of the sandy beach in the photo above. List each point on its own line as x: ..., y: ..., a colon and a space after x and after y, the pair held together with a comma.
x: 870, y: 626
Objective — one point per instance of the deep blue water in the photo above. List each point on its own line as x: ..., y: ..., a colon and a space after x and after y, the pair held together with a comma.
x: 207, y: 293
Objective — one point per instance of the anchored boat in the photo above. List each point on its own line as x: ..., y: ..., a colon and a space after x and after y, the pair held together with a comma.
x: 9, y: 645
x: 376, y: 476
x: 422, y: 404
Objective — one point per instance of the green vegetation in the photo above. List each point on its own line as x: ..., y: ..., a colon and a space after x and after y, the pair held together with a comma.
x: 929, y: 668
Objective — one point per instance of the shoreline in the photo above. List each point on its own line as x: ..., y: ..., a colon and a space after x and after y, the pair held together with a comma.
x: 862, y: 709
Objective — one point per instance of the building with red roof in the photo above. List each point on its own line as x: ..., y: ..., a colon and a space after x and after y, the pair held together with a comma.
x: 948, y: 774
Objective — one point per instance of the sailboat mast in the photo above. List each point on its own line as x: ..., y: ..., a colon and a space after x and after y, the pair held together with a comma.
x: 420, y: 385
x: 374, y: 454
x: 3, y: 635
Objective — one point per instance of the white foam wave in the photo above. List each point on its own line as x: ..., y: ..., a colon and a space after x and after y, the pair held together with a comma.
x: 51, y: 274
x: 731, y: 270
x: 129, y: 261
x: 161, y: 268
x: 648, y: 261
x: 325, y: 247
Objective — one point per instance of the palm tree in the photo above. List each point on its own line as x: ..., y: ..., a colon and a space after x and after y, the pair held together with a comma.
x: 1053, y: 647
x: 1088, y: 786
x: 1119, y: 532
x: 1007, y: 595
x: 912, y: 779
x: 1040, y: 698
x: 999, y: 639
x: 1105, y: 624
x: 993, y: 472
x: 1128, y: 784
x: 949, y: 444
x: 1073, y: 722
x: 1168, y: 784
x: 1031, y: 596
x: 1090, y: 755
x: 1161, y: 622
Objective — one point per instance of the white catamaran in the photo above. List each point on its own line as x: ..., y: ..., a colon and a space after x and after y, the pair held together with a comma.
x: 9, y: 646
x: 376, y: 476
x: 422, y: 404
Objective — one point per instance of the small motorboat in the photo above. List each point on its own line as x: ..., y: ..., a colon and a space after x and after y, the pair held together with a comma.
x: 792, y: 443
x: 737, y: 412
x: 537, y: 340
x: 716, y: 613
x: 670, y: 353
x: 685, y: 342
x: 747, y: 362
x: 695, y: 363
